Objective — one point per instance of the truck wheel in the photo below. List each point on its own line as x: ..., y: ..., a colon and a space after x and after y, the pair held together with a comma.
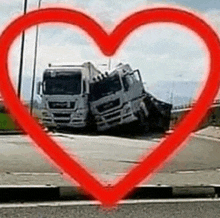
x: 91, y: 124
x: 161, y: 125
x: 143, y: 122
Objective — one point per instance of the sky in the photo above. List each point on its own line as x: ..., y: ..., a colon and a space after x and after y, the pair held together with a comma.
x: 163, y: 53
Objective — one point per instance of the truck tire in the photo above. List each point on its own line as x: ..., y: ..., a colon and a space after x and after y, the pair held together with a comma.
x: 162, y: 125
x: 91, y: 124
x: 143, y: 122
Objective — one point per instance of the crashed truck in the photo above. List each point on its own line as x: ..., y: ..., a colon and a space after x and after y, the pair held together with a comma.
x: 64, y: 92
x: 80, y: 96
x: 120, y: 98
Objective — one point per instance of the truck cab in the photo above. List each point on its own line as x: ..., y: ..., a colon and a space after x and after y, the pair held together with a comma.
x: 64, y: 92
x: 116, y: 99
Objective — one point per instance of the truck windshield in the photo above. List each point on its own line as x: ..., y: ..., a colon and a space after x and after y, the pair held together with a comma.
x: 105, y: 87
x: 66, y: 83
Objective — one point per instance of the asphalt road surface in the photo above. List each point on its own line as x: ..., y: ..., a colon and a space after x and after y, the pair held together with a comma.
x: 105, y: 154
x: 157, y: 209
x: 112, y: 155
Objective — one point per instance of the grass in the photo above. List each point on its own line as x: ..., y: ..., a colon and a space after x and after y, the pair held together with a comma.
x: 6, y: 122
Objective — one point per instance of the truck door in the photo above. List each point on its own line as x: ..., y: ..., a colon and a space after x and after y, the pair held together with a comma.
x: 137, y: 87
x: 133, y: 85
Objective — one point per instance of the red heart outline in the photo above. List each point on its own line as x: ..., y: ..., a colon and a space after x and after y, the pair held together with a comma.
x: 108, y: 45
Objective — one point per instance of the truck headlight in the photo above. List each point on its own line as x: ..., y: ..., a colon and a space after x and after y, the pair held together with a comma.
x: 44, y: 106
x: 127, y: 108
x: 45, y: 114
x: 78, y: 113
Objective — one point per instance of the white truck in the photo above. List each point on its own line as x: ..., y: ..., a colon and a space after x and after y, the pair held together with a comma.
x: 64, y: 92
x: 121, y: 99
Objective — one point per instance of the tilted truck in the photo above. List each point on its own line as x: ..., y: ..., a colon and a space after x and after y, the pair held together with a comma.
x: 121, y: 99
x: 64, y: 92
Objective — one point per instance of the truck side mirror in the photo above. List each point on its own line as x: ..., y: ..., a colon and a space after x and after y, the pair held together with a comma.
x: 39, y: 88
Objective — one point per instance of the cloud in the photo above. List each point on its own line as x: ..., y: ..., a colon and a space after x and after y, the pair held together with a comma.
x: 213, y: 16
x: 161, y: 52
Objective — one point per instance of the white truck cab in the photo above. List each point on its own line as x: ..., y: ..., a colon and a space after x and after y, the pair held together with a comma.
x: 65, y: 92
x: 121, y: 99
x: 117, y: 99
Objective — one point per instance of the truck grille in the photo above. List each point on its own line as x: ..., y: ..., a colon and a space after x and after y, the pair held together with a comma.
x: 62, y: 121
x: 108, y: 105
x: 112, y: 115
x: 57, y: 104
x: 114, y: 122
x: 61, y: 115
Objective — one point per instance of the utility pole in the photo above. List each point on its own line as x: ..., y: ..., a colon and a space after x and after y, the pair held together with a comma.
x: 35, y: 64
x: 22, y: 55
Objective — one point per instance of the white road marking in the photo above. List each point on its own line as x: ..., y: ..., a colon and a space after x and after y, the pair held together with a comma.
x: 207, y: 137
x: 188, y: 172
x: 35, y: 174
x: 93, y: 203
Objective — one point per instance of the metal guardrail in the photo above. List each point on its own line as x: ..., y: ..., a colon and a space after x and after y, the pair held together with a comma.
x: 192, y: 104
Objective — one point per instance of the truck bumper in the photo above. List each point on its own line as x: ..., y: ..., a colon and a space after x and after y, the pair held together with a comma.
x: 77, y: 123
x: 114, y: 119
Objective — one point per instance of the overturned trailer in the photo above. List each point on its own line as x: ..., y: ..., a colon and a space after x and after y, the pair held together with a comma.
x: 159, y: 113
x: 120, y: 99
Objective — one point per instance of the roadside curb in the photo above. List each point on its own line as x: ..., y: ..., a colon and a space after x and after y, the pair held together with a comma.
x: 48, y: 193
x: 155, y: 192
x: 11, y: 132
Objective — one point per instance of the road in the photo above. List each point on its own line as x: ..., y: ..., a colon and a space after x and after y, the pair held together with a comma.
x: 106, y: 155
x: 154, y: 209
x: 110, y: 156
